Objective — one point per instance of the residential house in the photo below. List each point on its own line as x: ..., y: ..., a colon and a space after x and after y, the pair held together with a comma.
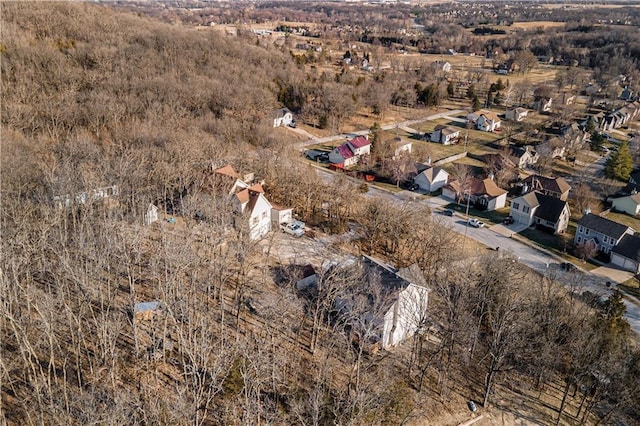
x: 523, y: 156
x: 442, y: 66
x: 247, y: 200
x: 282, y: 117
x: 349, y: 153
x: 555, y: 187
x: 552, y: 148
x: 627, y: 94
x: 516, y: 113
x: 445, y: 135
x: 626, y: 253
x: 403, y: 299
x: 399, y: 146
x: 635, y: 177
x: 545, y: 211
x: 484, y: 194
x: 627, y: 200
x: 487, y: 122
x: 543, y: 104
x: 601, y: 233
x: 86, y: 197
x: 431, y: 179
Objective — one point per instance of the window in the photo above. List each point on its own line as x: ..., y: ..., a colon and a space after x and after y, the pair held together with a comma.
x: 580, y: 228
x: 605, y: 239
x: 515, y: 206
x: 579, y: 240
x: 525, y: 209
x: 586, y: 231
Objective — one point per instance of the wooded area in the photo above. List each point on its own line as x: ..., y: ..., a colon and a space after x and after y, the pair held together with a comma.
x: 94, y: 97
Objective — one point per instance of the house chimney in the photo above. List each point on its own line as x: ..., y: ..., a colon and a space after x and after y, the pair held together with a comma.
x: 587, y: 211
x: 428, y: 162
x: 491, y: 176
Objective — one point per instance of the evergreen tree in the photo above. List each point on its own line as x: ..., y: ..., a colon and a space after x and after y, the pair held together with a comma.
x: 471, y: 91
x: 619, y: 165
x: 476, y: 103
x: 450, y: 89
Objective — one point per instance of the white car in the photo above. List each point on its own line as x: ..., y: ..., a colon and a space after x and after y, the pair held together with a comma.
x: 293, y: 229
x: 476, y: 223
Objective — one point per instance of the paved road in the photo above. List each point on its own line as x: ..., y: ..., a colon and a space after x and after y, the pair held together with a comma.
x: 404, y: 124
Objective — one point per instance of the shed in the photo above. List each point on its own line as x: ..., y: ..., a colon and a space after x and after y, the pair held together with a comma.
x: 280, y: 215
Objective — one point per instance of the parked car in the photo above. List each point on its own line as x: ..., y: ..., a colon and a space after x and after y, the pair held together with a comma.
x: 293, y: 229
x: 508, y: 220
x: 448, y: 212
x: 476, y: 223
x: 569, y: 267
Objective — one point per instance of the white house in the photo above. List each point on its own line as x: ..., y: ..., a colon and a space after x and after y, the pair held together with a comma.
x: 349, y: 153
x: 484, y: 120
x: 543, y: 104
x: 627, y: 253
x: 629, y: 204
x: 280, y: 215
x: 282, y: 117
x: 443, y: 66
x: 431, y: 179
x: 408, y: 299
x: 516, y: 113
x: 536, y: 208
x: 247, y: 200
x: 523, y: 157
x: 444, y: 134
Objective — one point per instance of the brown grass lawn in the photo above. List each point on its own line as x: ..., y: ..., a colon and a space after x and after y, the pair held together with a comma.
x: 536, y: 24
x: 624, y: 219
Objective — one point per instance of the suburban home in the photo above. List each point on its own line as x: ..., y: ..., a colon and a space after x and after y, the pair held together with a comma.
x: 348, y: 154
x: 442, y: 66
x: 282, y: 117
x: 574, y: 134
x: 402, y: 296
x: 555, y: 187
x: 601, y: 233
x: 627, y: 253
x: 552, y: 148
x: 247, y: 200
x: 445, y: 135
x: 627, y: 200
x: 516, y: 113
x: 627, y: 94
x: 635, y: 177
x: 484, y: 194
x: 399, y: 145
x: 484, y: 121
x: 523, y: 156
x: 542, y: 104
x: 431, y: 179
x: 545, y: 211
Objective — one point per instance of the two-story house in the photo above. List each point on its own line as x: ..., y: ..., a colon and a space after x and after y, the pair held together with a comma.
x: 349, y: 153
x: 248, y: 201
x: 516, y: 114
x: 601, y: 233
x: 445, y: 135
x: 544, y: 211
x: 555, y: 187
x: 523, y: 156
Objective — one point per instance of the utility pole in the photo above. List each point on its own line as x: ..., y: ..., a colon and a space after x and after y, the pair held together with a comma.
x: 467, y: 214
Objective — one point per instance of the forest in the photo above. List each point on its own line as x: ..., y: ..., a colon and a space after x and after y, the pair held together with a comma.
x: 95, y: 96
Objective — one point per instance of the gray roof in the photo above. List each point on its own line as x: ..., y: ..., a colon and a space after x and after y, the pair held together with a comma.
x: 550, y: 207
x: 603, y: 225
x: 629, y: 247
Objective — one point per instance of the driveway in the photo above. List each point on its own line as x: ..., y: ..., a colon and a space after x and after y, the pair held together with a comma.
x: 612, y: 274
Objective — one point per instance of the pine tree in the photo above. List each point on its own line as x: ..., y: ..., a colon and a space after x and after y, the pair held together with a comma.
x: 619, y: 165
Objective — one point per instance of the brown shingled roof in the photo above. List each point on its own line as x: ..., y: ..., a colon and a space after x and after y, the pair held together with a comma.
x: 227, y: 171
